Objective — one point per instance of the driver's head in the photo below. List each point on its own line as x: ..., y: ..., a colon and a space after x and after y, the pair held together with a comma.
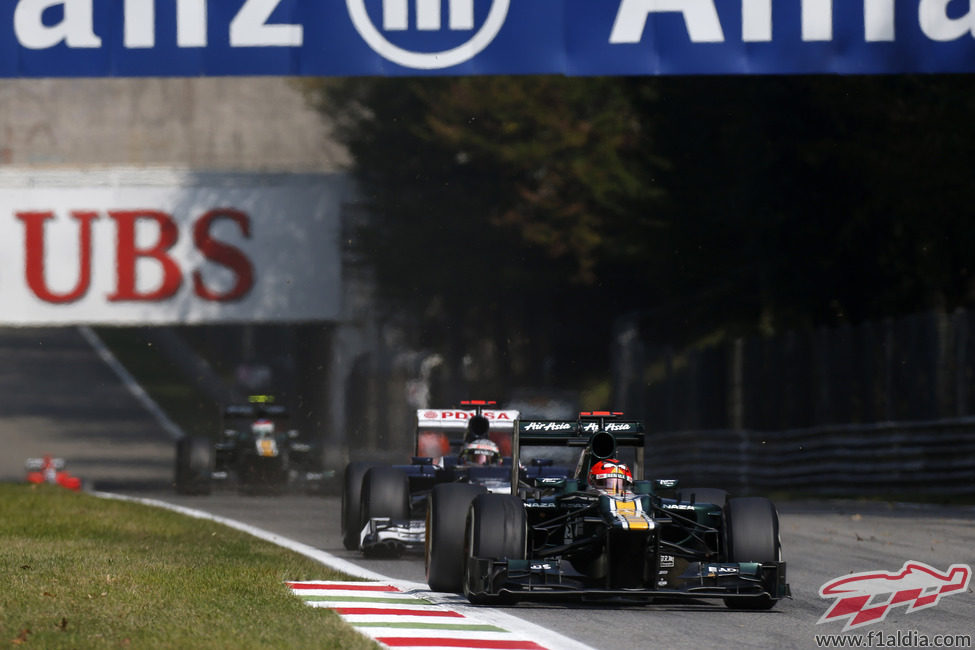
x: 262, y: 428
x: 611, y: 476
x: 480, y: 452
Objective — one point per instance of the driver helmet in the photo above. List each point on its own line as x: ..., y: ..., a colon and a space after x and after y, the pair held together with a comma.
x: 480, y: 452
x: 262, y: 428
x: 611, y: 476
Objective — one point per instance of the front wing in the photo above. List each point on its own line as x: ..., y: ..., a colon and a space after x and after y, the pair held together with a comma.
x: 393, y: 535
x: 552, y: 579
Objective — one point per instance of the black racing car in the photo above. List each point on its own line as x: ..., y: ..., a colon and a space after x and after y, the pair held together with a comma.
x: 578, y: 537
x: 255, y: 452
x: 384, y: 507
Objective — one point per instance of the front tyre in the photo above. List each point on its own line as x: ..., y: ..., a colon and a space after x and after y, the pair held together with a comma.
x: 351, y: 503
x: 444, y: 543
x: 752, y: 535
x: 194, y: 464
x: 497, y: 529
x: 385, y: 493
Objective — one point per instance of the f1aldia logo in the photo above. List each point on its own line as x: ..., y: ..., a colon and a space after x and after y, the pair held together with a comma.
x: 867, y: 598
x: 426, y: 18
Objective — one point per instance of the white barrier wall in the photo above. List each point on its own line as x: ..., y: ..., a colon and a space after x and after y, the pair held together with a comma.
x: 169, y: 247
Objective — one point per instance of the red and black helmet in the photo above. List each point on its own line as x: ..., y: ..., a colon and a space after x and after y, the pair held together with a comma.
x: 611, y: 475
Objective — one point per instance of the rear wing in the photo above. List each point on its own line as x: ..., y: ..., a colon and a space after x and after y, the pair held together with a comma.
x: 439, y: 431
x: 270, y: 411
x: 38, y: 464
x: 457, y: 419
x: 576, y: 433
x: 599, y: 433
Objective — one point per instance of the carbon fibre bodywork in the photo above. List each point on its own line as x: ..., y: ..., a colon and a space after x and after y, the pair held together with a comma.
x: 645, y: 544
x: 391, y: 535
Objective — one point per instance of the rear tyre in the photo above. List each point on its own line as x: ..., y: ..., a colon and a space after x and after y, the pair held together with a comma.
x: 752, y: 535
x: 496, y: 529
x: 703, y: 495
x: 444, y: 543
x: 351, y: 503
x: 194, y: 463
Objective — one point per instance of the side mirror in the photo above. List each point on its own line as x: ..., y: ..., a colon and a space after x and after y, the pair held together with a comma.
x: 643, y: 487
x: 665, y: 484
x: 556, y: 482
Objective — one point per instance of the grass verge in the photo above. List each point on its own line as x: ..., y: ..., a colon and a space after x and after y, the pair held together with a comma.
x: 83, y: 572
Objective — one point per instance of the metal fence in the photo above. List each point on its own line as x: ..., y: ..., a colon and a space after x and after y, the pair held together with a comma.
x: 880, y: 407
x: 920, y: 367
x: 904, y: 458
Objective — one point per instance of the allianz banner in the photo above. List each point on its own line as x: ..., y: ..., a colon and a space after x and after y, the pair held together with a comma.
x: 105, y: 38
x: 154, y: 247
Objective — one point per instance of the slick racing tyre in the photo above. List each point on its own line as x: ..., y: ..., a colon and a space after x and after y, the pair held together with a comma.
x: 444, y: 546
x: 194, y: 462
x: 703, y: 495
x: 351, y: 503
x: 496, y: 529
x: 385, y: 493
x: 752, y: 535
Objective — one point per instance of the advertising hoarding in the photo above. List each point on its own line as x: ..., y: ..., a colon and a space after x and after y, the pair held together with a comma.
x: 132, y: 38
x: 167, y: 248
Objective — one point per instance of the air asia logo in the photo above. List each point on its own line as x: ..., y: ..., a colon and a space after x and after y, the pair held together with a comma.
x: 547, y: 426
x: 866, y: 598
x: 429, y: 22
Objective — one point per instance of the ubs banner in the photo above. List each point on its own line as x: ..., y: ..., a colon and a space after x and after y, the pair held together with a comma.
x: 115, y: 248
x: 86, y: 38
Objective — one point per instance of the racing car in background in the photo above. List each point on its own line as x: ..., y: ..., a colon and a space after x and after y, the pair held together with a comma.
x: 255, y: 451
x: 384, y: 508
x: 601, y: 533
x: 51, y: 470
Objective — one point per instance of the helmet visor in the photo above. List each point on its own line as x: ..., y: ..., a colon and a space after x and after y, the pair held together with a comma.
x: 612, y: 484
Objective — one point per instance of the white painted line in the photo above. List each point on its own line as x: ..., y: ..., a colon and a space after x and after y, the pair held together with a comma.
x: 137, y: 391
x: 457, y: 603
x: 319, y: 556
x: 342, y: 594
x: 333, y: 584
x: 359, y: 619
x: 502, y: 635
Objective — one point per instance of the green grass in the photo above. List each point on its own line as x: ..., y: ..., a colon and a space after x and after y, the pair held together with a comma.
x: 82, y: 572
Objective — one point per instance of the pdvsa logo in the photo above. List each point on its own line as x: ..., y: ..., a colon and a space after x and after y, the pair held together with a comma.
x: 416, y: 33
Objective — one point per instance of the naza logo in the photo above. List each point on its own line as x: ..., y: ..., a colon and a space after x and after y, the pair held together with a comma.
x: 420, y: 34
x: 866, y: 598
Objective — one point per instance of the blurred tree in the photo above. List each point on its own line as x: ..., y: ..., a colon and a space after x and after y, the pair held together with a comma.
x: 815, y: 200
x: 507, y: 208
x: 533, y: 211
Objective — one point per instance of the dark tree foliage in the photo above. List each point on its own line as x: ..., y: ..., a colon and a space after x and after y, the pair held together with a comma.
x: 830, y: 199
x: 504, y: 208
x: 535, y: 211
